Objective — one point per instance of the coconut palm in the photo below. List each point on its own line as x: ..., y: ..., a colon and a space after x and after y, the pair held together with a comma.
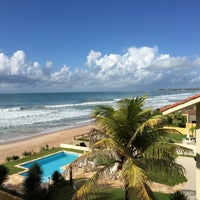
x: 132, y: 137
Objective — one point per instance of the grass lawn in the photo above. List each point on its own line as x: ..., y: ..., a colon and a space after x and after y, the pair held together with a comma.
x: 64, y: 193
x: 119, y: 194
x: 165, y: 178
x: 105, y: 193
x: 174, y: 137
x: 11, y: 165
x: 161, y: 196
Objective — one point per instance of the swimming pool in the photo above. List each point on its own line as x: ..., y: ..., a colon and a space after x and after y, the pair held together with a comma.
x: 51, y: 163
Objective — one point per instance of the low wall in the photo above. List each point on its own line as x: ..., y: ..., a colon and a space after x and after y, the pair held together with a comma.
x: 69, y: 146
x: 181, y: 130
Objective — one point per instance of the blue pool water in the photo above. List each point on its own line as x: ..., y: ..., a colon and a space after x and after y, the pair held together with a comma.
x: 52, y: 163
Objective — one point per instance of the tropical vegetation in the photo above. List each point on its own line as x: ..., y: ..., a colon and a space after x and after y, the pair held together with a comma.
x: 3, y: 174
x: 176, y: 119
x: 178, y: 195
x: 131, y: 136
x: 32, y: 183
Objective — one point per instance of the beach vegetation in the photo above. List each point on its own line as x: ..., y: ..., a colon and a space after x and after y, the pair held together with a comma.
x: 27, y: 153
x: 14, y: 157
x: 133, y: 136
x: 8, y: 158
x: 3, y: 174
x: 45, y: 148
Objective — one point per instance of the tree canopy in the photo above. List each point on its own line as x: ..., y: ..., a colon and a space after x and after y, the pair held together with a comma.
x: 132, y: 137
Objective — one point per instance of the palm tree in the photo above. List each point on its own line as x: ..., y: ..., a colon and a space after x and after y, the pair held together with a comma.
x: 32, y: 183
x: 3, y: 174
x: 132, y: 137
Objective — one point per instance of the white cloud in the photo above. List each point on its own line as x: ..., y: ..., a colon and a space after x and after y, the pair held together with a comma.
x: 17, y: 62
x: 167, y: 62
x: 136, y: 68
x: 92, y: 57
x: 4, y: 63
x: 197, y: 61
x: 61, y: 76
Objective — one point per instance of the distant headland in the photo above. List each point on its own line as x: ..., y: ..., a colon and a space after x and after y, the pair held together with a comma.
x: 178, y: 89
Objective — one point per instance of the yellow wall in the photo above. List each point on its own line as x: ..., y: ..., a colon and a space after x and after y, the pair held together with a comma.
x: 182, y: 130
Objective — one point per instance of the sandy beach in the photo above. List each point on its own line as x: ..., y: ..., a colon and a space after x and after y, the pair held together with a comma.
x: 35, y: 143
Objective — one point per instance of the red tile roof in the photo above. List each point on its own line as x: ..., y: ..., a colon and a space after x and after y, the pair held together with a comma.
x: 179, y: 103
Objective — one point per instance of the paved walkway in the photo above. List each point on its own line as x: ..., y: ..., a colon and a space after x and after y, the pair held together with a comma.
x: 190, y: 167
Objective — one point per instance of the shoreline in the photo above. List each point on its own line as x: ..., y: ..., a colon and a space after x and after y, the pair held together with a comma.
x: 35, y: 143
x: 9, y: 141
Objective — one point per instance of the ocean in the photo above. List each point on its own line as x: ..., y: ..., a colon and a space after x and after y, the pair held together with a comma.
x: 26, y: 115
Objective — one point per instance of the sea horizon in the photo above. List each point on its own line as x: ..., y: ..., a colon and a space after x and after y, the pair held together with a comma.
x: 24, y: 115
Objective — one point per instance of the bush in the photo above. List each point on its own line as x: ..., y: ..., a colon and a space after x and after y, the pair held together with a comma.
x: 82, y: 144
x: 178, y: 196
x: 176, y: 119
x: 32, y: 183
x: 27, y: 153
x: 37, y: 195
x: 8, y: 159
x: 58, y: 179
x: 15, y: 157
x: 44, y: 148
x: 3, y: 174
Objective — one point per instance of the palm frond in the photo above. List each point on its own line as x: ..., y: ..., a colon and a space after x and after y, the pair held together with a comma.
x: 136, y: 180
x: 109, y: 143
x: 164, y: 166
x: 160, y: 156
x: 89, y: 187
x: 152, y: 123
x: 103, y: 111
x: 140, y: 194
x: 162, y: 150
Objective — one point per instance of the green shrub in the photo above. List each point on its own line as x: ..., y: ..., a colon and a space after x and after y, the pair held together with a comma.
x: 58, y: 179
x: 3, y: 174
x: 32, y: 183
x: 27, y: 153
x: 178, y: 196
x: 176, y: 119
x: 8, y: 159
x: 15, y: 157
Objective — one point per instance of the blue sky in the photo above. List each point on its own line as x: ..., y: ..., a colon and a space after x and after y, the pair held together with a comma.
x: 93, y: 45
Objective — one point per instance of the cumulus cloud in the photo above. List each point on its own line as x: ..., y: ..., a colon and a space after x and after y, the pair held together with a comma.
x: 92, y: 57
x: 136, y: 68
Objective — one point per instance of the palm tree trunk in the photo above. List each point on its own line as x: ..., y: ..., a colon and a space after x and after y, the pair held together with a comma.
x: 70, y: 176
x: 126, y: 193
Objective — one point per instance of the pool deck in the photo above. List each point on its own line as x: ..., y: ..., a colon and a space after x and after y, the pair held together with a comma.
x: 15, y: 181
